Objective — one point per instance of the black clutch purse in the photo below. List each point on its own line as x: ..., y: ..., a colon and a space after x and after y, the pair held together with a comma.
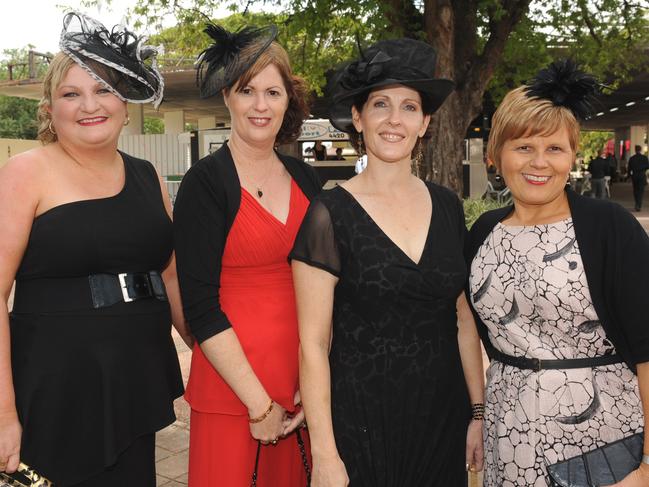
x: 603, y: 466
x: 24, y: 477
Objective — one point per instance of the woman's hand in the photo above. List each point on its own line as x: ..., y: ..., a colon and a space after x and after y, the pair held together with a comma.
x: 474, y: 446
x: 270, y: 429
x: 329, y: 472
x: 297, y: 420
x: 10, y: 434
x: 638, y: 478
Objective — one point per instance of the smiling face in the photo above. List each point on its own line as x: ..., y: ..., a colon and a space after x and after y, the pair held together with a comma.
x: 536, y: 168
x: 257, y: 109
x: 84, y: 112
x: 391, y: 121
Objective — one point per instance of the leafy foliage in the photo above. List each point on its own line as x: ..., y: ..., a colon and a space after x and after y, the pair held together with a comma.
x: 153, y: 125
x: 473, y: 208
x: 591, y: 143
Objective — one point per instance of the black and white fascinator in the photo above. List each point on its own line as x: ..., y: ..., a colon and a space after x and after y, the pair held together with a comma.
x: 565, y: 85
x: 132, y: 70
x: 229, y: 56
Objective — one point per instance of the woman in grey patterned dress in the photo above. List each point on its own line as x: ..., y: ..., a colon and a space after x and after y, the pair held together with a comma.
x: 556, y: 277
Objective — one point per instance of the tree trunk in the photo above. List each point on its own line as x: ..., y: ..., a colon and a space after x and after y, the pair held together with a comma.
x: 445, y: 148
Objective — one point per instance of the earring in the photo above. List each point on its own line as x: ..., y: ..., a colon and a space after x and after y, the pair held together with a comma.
x: 361, y: 149
x: 127, y: 121
x: 50, y: 128
x: 419, y: 157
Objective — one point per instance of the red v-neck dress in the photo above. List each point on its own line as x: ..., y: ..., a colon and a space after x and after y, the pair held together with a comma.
x: 257, y: 296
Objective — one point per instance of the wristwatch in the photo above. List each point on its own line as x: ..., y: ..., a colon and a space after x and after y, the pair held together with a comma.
x: 645, y: 459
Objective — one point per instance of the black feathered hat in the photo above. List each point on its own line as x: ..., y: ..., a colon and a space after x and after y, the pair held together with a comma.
x: 83, y: 39
x: 230, y: 56
x: 565, y: 85
x: 399, y: 61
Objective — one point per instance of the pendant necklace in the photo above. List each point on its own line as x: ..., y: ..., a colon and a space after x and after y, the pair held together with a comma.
x: 258, y: 186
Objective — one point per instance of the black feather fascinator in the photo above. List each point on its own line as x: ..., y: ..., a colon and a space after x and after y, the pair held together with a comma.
x: 131, y: 70
x: 565, y: 85
x: 230, y: 56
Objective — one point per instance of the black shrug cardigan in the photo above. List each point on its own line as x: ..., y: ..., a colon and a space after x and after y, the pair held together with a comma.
x: 206, y: 205
x: 615, y: 252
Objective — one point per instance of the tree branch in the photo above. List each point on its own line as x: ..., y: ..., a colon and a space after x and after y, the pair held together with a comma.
x: 589, y: 23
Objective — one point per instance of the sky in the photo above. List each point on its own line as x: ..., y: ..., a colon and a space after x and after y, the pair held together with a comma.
x: 39, y: 22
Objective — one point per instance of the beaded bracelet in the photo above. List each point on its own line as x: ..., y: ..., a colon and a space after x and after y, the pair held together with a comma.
x: 259, y: 419
x: 477, y: 411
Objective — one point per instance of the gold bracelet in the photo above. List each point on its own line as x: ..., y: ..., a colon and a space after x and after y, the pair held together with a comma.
x: 259, y: 419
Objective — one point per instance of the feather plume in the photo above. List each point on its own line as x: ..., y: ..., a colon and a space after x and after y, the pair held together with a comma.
x: 224, y: 51
x: 565, y: 85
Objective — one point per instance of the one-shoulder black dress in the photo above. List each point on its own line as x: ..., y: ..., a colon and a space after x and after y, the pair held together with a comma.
x: 90, y: 382
x: 399, y: 400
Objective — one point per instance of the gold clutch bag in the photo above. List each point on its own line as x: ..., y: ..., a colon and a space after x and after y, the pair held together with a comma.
x: 25, y: 476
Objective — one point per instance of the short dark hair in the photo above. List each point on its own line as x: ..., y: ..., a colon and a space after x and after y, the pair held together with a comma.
x: 296, y: 89
x: 638, y: 148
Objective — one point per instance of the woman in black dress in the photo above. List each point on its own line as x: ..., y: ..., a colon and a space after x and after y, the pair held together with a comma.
x: 88, y: 369
x: 383, y: 386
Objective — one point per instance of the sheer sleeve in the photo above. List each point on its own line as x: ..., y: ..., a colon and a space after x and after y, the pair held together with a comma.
x: 315, y: 243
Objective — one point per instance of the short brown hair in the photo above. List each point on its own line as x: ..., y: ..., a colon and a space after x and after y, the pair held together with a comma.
x: 521, y: 116
x: 296, y: 88
x: 56, y: 72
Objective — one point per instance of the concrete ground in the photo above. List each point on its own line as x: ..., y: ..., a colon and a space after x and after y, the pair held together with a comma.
x: 172, y: 443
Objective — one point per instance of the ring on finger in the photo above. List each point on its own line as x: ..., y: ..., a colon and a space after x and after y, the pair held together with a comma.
x: 274, y: 442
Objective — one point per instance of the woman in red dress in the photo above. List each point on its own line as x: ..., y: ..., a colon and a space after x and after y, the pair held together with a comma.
x: 236, y: 215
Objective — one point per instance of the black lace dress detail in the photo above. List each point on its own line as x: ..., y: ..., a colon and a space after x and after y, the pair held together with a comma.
x: 399, y: 401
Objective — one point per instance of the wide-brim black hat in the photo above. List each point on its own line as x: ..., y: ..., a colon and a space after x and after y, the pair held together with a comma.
x: 230, y: 56
x: 132, y: 71
x: 393, y: 62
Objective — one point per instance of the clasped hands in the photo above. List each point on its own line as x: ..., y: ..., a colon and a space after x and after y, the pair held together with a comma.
x: 278, y: 423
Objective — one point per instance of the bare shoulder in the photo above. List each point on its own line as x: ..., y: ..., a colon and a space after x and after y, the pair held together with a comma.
x: 26, y: 170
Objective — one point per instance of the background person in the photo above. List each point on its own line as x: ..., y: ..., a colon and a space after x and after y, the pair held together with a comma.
x: 561, y: 279
x: 387, y: 344
x: 638, y: 165
x: 93, y: 371
x: 599, y: 169
x: 236, y: 215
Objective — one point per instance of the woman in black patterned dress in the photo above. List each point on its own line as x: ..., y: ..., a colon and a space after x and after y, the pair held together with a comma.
x: 383, y: 386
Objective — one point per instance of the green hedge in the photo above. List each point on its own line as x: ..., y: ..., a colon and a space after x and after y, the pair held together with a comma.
x: 473, y: 208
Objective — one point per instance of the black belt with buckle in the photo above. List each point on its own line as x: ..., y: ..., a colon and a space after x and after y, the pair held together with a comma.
x: 541, y: 364
x: 108, y: 289
x: 94, y: 291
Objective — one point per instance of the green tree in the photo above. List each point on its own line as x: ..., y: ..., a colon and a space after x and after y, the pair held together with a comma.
x: 591, y: 143
x: 18, y: 118
x: 481, y: 44
x: 153, y: 126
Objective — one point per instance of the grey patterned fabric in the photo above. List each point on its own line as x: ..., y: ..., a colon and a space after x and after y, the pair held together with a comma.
x: 529, y: 288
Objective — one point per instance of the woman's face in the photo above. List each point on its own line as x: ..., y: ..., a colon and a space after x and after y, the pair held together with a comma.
x: 536, y: 168
x: 257, y: 110
x: 84, y: 112
x: 391, y: 122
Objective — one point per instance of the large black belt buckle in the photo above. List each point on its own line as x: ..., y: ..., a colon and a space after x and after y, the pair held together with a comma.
x: 108, y: 289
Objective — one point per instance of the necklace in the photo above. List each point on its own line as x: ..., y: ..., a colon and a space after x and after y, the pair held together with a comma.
x: 259, y: 186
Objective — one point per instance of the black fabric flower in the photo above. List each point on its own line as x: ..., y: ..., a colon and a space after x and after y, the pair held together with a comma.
x: 565, y: 85
x: 362, y: 73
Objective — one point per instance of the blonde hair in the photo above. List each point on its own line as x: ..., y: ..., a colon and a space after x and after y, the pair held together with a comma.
x: 58, y: 69
x: 520, y: 116
x: 56, y: 73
